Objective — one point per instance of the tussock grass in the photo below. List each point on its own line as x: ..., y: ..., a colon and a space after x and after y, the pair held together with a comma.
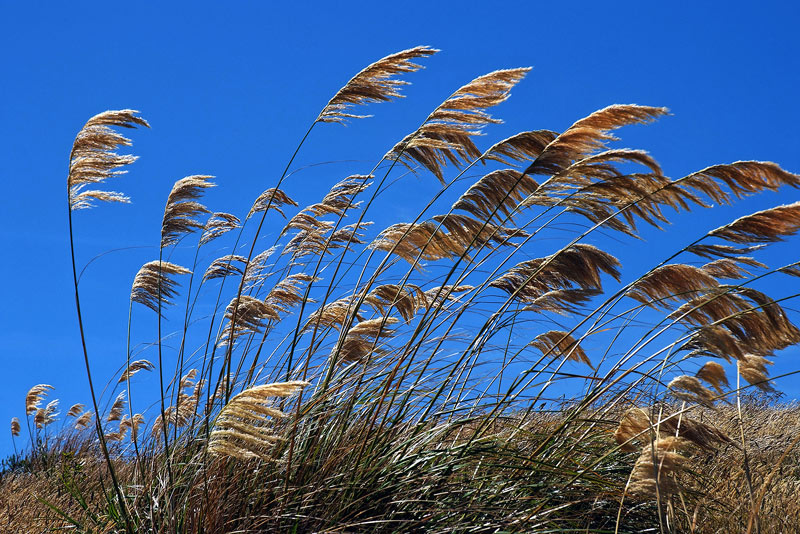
x: 443, y: 374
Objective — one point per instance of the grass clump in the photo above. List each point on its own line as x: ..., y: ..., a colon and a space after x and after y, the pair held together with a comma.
x: 444, y: 374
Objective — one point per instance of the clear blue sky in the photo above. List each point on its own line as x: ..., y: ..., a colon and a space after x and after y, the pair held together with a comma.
x: 230, y: 88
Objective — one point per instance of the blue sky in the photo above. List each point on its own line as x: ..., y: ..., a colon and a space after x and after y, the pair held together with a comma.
x: 230, y: 89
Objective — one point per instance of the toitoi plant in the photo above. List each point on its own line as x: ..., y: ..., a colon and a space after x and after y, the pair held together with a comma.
x: 459, y: 372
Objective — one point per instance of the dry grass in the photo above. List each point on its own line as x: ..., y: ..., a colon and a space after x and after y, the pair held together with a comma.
x: 710, y: 495
x: 773, y: 456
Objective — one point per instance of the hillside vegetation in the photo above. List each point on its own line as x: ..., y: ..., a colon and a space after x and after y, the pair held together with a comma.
x: 489, y: 366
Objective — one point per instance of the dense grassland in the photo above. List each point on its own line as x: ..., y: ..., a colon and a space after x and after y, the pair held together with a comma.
x: 476, y: 369
x: 444, y: 485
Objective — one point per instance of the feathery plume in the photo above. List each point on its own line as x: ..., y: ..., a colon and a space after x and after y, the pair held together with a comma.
x: 225, y: 266
x: 632, y: 426
x: 636, y: 426
x: 723, y: 251
x: 589, y: 135
x: 51, y: 411
x: 444, y: 236
x: 185, y: 408
x: 791, y: 270
x: 741, y: 177
x: 35, y: 396
x: 332, y: 314
x: 754, y: 369
x: 688, y: 388
x: 562, y: 301
x: 304, y: 221
x: 714, y: 374
x: 273, y: 198
x: 426, y: 241
x: 764, y: 226
x: 135, y: 367
x: 714, y: 340
x: 83, y: 421
x: 251, y: 314
x: 596, y: 189
x: 40, y: 417
x: 218, y: 225
x: 737, y: 320
x: 579, y: 265
x: 361, y: 340
x: 734, y: 320
x: 258, y: 269
x: 770, y: 314
x: 122, y: 430
x: 15, y: 426
x: 596, y: 176
x: 437, y: 296
x: 181, y: 211
x: 560, y: 343
x: 407, y: 300
x: 468, y: 232
x: 730, y: 267
x: 116, y: 409
x: 446, y: 135
x: 375, y: 83
x: 240, y: 431
x: 187, y: 380
x: 520, y: 147
x: 310, y: 241
x: 310, y: 238
x: 137, y: 420
x: 75, y: 410
x: 93, y: 160
x: 340, y: 197
x: 654, y: 473
x: 47, y: 415
x: 496, y: 194
x: 153, y: 274
x: 287, y: 292
x: 352, y: 234
x: 669, y: 283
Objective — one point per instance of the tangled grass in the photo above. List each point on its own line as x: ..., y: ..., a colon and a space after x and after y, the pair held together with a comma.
x: 441, y: 374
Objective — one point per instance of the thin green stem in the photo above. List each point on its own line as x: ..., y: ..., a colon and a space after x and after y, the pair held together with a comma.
x: 98, y: 426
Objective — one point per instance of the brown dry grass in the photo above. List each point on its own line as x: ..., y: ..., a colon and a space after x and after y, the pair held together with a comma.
x: 773, y: 457
x: 711, y: 496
